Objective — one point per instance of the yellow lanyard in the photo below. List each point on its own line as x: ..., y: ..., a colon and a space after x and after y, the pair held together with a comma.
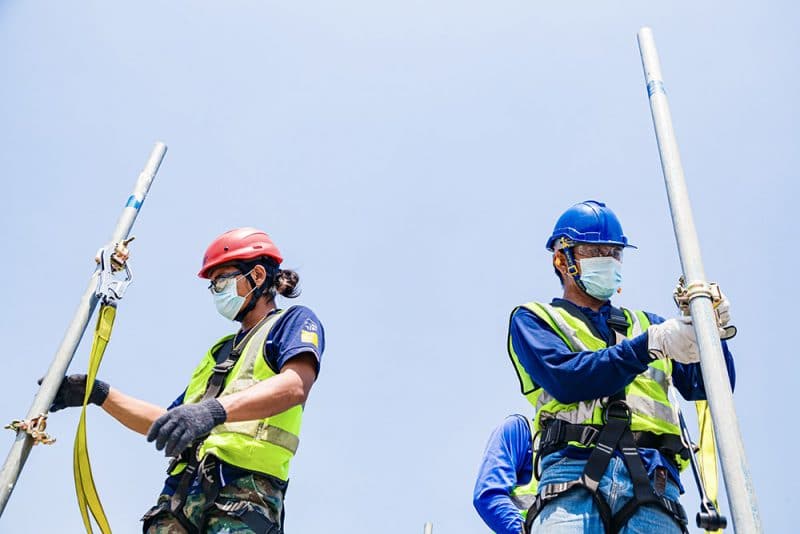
x: 707, y: 455
x: 88, y: 500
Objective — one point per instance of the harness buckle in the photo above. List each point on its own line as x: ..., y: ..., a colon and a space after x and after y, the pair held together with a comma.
x: 552, y: 433
x: 589, y: 435
x: 617, y: 409
x: 551, y: 491
x: 224, y: 366
x: 208, y: 469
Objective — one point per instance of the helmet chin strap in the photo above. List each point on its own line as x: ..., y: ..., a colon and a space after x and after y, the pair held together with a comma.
x: 572, y: 267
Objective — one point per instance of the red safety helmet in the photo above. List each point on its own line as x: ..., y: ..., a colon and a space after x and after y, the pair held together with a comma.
x: 241, y: 244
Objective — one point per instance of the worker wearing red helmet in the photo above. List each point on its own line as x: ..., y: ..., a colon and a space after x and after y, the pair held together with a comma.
x: 234, y: 430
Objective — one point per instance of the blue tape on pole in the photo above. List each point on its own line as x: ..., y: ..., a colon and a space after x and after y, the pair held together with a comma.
x: 133, y: 202
x: 655, y: 86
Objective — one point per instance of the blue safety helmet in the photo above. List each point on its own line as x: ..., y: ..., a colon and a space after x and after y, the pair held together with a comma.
x: 589, y: 222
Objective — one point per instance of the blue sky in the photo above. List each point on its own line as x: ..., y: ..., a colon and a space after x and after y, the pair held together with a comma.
x: 410, y: 159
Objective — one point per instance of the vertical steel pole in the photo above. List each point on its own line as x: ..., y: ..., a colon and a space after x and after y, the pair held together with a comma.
x: 429, y: 528
x: 55, y: 374
x: 739, y: 486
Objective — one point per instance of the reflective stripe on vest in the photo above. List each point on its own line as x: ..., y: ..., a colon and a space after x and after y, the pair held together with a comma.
x: 646, y: 395
x: 266, y: 445
x: 524, y: 495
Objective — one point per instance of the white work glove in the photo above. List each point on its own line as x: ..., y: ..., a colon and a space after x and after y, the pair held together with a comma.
x: 673, y: 339
x: 723, y: 311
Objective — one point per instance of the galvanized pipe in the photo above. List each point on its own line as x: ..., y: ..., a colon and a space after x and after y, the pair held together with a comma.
x: 735, y: 472
x: 58, y: 368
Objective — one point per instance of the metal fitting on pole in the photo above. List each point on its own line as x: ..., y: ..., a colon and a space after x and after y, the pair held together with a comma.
x: 736, y: 473
x: 55, y: 374
x: 698, y: 288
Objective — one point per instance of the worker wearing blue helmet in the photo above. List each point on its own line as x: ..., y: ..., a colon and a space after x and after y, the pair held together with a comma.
x: 608, y: 454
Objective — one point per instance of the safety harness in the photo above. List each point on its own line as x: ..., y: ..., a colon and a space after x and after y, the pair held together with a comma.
x: 209, y: 467
x: 614, y: 435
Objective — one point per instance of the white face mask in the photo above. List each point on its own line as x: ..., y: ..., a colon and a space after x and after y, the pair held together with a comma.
x: 601, y: 276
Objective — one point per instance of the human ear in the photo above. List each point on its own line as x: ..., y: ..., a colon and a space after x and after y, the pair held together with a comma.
x: 259, y: 274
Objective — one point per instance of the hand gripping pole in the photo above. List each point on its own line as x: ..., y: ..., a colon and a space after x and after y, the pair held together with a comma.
x: 736, y: 473
x: 55, y: 374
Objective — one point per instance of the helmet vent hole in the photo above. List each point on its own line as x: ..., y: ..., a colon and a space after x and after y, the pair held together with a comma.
x: 226, y: 249
x: 257, y: 246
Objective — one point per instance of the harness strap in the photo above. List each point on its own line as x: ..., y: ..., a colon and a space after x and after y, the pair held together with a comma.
x: 178, y: 499
x: 617, y: 321
x: 214, y: 387
x: 614, y: 435
x: 630, y: 455
x: 604, y: 449
x: 244, y: 512
x: 558, y: 434
x: 550, y: 492
x: 211, y: 485
x: 673, y: 508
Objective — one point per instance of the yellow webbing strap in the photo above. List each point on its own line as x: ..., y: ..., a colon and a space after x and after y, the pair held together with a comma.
x: 88, y: 500
x: 707, y: 455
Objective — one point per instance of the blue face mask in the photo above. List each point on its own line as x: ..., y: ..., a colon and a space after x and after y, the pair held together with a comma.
x: 601, y: 276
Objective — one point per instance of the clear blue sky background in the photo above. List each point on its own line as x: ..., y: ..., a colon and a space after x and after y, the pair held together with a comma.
x: 410, y: 159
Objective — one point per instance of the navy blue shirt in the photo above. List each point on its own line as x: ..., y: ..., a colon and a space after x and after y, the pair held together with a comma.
x: 577, y: 376
x: 507, y: 463
x: 297, y: 331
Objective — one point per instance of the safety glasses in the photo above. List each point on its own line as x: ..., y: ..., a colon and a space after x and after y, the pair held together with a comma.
x: 218, y: 284
x: 598, y: 251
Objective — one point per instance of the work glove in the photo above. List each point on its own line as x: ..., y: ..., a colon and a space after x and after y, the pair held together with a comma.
x: 73, y: 389
x: 673, y: 339
x: 179, y: 427
x: 723, y: 311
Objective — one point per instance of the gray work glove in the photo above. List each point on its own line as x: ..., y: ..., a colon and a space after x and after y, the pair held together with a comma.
x: 179, y: 427
x: 673, y: 339
x: 72, y: 390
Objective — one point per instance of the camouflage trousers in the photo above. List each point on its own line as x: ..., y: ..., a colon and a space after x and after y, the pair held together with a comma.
x: 252, y: 503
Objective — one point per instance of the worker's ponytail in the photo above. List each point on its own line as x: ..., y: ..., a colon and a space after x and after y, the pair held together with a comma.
x: 286, y: 283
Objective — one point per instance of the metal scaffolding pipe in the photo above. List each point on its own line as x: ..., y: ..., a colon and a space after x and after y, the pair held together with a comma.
x: 58, y: 368
x: 735, y: 472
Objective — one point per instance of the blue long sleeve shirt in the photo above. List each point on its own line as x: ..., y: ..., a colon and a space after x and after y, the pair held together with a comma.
x: 577, y: 376
x: 507, y: 462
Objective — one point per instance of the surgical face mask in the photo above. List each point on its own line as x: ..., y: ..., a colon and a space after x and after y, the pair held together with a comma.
x: 228, y: 301
x: 601, y: 276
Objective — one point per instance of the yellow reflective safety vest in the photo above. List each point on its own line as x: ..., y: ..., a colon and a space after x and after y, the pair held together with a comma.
x: 646, y: 395
x: 265, y: 445
x: 524, y: 495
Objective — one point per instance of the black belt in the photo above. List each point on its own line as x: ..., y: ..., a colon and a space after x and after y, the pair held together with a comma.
x: 614, y: 435
x: 557, y: 434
